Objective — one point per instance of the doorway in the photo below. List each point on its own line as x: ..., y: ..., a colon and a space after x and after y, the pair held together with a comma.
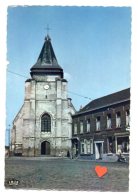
x: 45, y: 148
x: 98, y: 149
x: 75, y: 147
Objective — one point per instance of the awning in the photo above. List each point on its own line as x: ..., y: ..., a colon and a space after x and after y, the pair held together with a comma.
x: 75, y: 138
x: 122, y: 134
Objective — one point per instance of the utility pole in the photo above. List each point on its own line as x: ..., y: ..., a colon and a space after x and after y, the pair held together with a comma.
x: 9, y: 136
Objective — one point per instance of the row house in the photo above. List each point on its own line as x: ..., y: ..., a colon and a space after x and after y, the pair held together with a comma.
x: 102, y: 127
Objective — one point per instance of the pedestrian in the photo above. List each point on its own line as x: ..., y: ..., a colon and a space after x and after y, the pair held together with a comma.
x: 68, y: 154
x: 62, y: 154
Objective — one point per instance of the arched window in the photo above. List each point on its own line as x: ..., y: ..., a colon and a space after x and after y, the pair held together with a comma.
x: 46, y: 123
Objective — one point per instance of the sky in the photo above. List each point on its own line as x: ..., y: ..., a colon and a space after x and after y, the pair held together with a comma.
x: 92, y: 45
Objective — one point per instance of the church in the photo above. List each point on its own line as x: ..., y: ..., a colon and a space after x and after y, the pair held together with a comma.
x: 48, y: 124
x: 43, y: 125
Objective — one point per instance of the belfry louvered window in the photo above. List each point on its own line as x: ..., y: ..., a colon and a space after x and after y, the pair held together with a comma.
x: 46, y: 123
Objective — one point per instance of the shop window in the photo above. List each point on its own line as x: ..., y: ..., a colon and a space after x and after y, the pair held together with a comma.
x: 82, y: 147
x: 109, y: 123
x: 110, y: 145
x: 88, y: 147
x: 123, y: 144
x: 91, y: 146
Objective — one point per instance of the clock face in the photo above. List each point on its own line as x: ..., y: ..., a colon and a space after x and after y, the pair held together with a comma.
x: 46, y: 87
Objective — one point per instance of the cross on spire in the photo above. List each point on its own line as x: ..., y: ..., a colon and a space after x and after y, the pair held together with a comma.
x: 48, y: 29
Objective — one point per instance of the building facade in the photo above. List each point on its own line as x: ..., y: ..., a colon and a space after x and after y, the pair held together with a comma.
x: 43, y: 126
x: 101, y: 129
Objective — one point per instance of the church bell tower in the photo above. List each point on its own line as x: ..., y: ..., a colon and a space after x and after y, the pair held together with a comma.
x: 43, y: 126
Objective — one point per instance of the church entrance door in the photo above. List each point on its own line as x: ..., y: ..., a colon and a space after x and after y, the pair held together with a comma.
x: 45, y: 148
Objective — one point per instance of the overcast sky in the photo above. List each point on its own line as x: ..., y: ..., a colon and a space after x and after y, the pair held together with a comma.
x: 92, y: 45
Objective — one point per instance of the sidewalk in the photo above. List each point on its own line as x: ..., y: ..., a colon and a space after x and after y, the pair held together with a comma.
x: 43, y: 158
x: 33, y: 158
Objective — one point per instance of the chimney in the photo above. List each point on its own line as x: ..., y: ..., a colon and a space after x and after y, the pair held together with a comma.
x: 80, y: 107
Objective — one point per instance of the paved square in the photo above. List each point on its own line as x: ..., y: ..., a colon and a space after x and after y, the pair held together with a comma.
x: 65, y: 174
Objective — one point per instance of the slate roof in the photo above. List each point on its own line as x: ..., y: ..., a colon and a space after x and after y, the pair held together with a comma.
x: 47, y: 62
x: 107, y: 100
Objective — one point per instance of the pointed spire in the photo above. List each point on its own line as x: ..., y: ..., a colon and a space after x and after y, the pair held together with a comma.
x: 47, y: 62
x: 47, y: 38
x: 47, y: 55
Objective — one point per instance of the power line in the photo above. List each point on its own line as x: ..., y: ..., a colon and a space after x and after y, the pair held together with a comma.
x: 17, y: 74
x: 79, y: 95
x: 68, y: 91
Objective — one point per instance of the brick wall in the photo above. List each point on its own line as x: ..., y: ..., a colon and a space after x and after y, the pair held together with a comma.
x: 102, y: 113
